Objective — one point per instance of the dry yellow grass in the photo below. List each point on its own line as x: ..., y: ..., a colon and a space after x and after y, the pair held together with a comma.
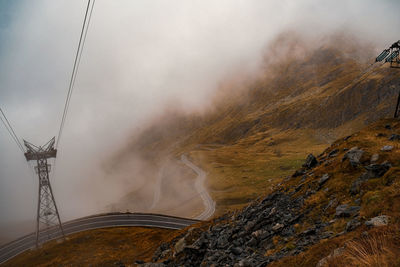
x: 240, y: 173
x: 103, y: 247
x: 380, y: 248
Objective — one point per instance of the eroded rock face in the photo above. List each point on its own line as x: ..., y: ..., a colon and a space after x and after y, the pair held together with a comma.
x: 354, y: 156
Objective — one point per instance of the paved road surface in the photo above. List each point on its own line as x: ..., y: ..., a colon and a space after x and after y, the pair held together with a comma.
x: 94, y: 222
x: 209, y: 204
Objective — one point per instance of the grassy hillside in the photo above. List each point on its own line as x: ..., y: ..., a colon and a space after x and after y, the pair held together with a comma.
x: 103, y: 247
x: 258, y: 133
x: 341, y: 211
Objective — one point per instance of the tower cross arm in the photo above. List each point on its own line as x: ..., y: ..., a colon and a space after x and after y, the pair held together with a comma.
x: 42, y: 152
x: 40, y: 155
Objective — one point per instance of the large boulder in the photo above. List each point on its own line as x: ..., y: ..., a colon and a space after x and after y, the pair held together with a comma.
x: 381, y: 220
x: 354, y: 156
x: 311, y: 162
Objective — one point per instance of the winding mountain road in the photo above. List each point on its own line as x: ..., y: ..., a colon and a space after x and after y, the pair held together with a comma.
x: 209, y: 203
x: 27, y: 242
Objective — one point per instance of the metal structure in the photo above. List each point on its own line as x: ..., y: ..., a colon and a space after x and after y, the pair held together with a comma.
x: 391, y: 55
x: 47, y: 212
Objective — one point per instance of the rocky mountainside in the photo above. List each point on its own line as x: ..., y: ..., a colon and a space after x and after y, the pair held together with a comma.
x: 305, y: 97
x: 328, y: 86
x: 340, y: 209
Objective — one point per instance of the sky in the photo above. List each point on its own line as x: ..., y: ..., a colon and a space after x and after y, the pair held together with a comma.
x: 139, y: 57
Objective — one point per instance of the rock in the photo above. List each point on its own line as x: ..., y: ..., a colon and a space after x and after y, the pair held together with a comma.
x: 338, y: 252
x: 165, y: 253
x: 353, y: 224
x: 258, y: 233
x: 381, y: 220
x: 347, y: 138
x: 298, y: 173
x: 323, y: 179
x: 311, y: 162
x: 252, y: 242
x: 222, y: 241
x: 373, y: 171
x: 332, y: 203
x: 327, y: 234
x: 119, y: 264
x: 355, y: 186
x: 377, y: 170
x: 180, y: 245
x: 152, y: 265
x: 333, y: 153
x: 244, y: 263
x: 309, y: 231
x: 394, y: 137
x: 236, y: 250
x: 298, y: 188
x: 353, y: 155
x: 277, y: 226
x: 387, y: 148
x: 249, y: 226
x: 374, y: 158
x: 346, y: 210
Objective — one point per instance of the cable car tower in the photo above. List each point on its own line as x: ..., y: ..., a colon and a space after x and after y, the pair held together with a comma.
x: 47, y: 212
x: 391, y: 55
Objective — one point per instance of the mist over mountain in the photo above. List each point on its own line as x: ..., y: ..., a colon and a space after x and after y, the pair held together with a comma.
x: 140, y: 60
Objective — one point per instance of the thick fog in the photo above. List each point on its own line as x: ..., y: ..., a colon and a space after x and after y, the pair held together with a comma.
x: 139, y: 57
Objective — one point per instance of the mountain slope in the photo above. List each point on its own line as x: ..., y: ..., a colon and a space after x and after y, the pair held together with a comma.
x: 345, y: 199
x: 258, y: 133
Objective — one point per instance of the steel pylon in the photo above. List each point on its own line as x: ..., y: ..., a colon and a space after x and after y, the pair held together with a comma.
x: 47, y: 212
